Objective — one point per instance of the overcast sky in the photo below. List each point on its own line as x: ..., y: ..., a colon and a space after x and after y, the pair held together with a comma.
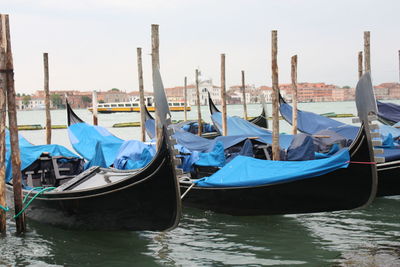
x: 92, y: 43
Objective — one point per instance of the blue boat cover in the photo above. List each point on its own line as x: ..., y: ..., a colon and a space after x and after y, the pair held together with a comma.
x: 98, y: 159
x: 301, y: 148
x: 84, y: 138
x: 241, y: 127
x: 238, y: 126
x: 246, y: 171
x: 389, y: 111
x: 134, y: 154
x: 311, y: 123
x: 214, y: 158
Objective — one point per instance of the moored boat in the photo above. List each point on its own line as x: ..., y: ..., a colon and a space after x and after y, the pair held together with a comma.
x: 59, y: 192
x: 261, y: 120
x: 135, y: 107
x: 284, y: 189
x: 388, y: 172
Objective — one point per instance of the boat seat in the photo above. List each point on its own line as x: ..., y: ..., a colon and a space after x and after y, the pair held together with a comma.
x: 264, y: 148
x: 51, y: 170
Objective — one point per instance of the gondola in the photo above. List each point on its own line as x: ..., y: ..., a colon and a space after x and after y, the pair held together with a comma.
x: 104, y: 198
x: 209, y: 134
x: 311, y: 123
x: 261, y: 120
x: 340, y: 189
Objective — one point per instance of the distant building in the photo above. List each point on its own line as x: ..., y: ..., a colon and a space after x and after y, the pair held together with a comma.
x: 34, y: 103
x: 205, y: 86
x: 112, y: 96
x: 386, y: 91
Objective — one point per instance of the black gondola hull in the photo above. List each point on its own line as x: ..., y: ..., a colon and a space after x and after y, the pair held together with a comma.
x: 149, y: 199
x: 388, y: 183
x: 343, y: 189
x: 388, y: 179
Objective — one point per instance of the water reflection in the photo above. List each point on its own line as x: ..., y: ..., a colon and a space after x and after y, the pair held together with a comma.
x: 206, y: 238
x: 367, y: 236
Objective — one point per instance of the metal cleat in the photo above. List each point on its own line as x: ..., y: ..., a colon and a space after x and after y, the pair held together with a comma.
x: 379, y: 159
x: 378, y: 151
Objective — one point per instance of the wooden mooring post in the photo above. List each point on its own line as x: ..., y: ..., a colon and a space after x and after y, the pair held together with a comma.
x: 94, y: 108
x: 294, y: 94
x: 223, y: 97
x: 3, y: 99
x: 244, y: 96
x: 367, y: 50
x: 155, y: 62
x: 12, y: 121
x: 185, y: 98
x: 47, y: 97
x: 275, y: 97
x: 141, y: 96
x: 360, y: 64
x: 198, y: 104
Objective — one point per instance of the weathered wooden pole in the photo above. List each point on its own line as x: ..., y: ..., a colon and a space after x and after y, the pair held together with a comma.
x: 244, y: 96
x: 185, y: 98
x: 3, y: 97
x: 223, y: 97
x: 275, y: 97
x: 12, y: 121
x: 198, y: 104
x: 47, y: 97
x: 360, y: 64
x: 367, y: 50
x: 294, y: 94
x: 94, y: 108
x: 155, y: 46
x: 141, y: 95
x: 155, y: 60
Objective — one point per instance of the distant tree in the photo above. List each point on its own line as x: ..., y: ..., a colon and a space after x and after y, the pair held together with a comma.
x: 101, y: 101
x: 86, y: 99
x: 18, y: 95
x: 26, y: 99
x: 56, y: 100
x: 115, y: 89
x: 346, y: 87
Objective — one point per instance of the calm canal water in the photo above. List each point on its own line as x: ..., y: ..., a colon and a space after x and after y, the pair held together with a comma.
x: 365, y: 237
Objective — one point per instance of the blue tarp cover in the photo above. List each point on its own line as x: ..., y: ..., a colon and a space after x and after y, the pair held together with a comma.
x: 247, y: 171
x: 389, y: 111
x: 241, y: 127
x: 214, y: 158
x: 238, y: 126
x: 84, y: 138
x: 311, y: 123
x: 134, y: 154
